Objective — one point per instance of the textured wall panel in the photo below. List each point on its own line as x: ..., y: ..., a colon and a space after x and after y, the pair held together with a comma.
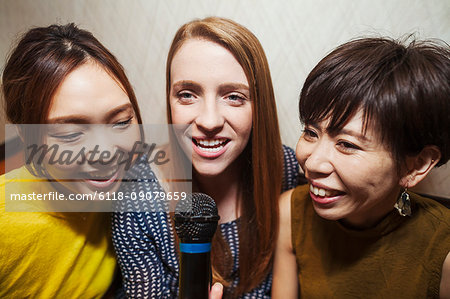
x: 295, y: 35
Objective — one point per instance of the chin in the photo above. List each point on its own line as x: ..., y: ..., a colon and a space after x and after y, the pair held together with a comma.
x: 208, y: 172
x: 327, y: 214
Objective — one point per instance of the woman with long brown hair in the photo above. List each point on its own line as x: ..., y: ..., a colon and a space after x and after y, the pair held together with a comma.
x: 218, y: 82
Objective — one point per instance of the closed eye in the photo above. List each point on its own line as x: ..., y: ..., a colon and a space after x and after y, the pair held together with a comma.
x: 67, y: 138
x: 123, y: 124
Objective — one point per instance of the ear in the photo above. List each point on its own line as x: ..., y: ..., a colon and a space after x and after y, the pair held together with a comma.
x: 420, y: 165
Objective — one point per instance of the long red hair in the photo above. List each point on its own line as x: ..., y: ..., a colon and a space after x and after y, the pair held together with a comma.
x: 262, y: 170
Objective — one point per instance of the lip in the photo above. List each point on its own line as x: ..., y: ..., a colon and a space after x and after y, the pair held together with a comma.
x: 209, y: 155
x: 103, y: 184
x: 324, y: 200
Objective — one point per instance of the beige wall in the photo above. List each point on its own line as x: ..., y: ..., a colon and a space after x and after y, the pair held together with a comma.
x: 295, y: 35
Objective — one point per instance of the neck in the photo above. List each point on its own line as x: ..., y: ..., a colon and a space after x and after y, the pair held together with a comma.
x: 224, y: 189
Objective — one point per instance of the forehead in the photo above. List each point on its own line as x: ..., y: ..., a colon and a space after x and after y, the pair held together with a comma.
x: 357, y: 123
x: 88, y: 90
x: 203, y: 59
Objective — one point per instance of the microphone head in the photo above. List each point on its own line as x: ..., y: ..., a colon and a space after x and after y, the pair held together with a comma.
x: 196, y: 218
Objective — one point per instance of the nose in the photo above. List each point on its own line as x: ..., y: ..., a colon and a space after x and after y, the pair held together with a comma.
x: 210, y: 118
x: 101, y: 147
x: 319, y: 157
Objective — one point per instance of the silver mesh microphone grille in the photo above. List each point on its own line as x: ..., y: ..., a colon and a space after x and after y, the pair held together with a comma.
x: 196, y: 218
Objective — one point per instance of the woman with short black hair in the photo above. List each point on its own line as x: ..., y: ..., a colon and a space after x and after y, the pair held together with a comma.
x: 377, y: 120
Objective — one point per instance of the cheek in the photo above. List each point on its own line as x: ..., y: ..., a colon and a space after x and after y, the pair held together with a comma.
x: 61, y: 169
x: 242, y: 121
x: 62, y: 159
x: 368, y: 176
x: 246, y: 129
x: 386, y: 173
x: 129, y: 138
x: 300, y: 152
x: 181, y: 115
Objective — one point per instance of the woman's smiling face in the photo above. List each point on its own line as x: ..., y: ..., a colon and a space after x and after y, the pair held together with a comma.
x: 210, y: 92
x: 90, y: 113
x: 353, y: 176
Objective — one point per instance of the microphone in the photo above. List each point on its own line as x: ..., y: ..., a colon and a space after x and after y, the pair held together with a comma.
x: 195, y: 223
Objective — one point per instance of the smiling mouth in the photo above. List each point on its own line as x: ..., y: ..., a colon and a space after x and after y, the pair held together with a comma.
x: 324, y: 192
x: 101, y: 176
x: 210, y: 145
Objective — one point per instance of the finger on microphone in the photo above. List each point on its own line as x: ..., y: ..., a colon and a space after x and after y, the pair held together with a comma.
x: 216, y: 291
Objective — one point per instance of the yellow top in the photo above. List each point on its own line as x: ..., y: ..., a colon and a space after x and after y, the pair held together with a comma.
x: 52, y: 255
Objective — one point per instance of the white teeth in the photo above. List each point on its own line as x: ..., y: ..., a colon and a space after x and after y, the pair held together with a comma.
x: 211, y: 142
x: 315, y: 190
x: 321, y: 192
x: 211, y: 150
x: 211, y: 145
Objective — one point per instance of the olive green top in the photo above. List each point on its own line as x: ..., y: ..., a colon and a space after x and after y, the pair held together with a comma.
x: 401, y: 257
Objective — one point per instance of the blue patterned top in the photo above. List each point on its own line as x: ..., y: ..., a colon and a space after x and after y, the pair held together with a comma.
x: 145, y: 242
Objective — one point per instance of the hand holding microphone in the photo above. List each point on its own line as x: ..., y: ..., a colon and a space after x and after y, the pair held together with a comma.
x: 195, y: 223
x: 216, y: 291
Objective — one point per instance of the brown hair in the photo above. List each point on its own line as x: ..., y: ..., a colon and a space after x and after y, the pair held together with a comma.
x: 40, y: 62
x: 38, y: 65
x: 403, y: 91
x: 262, y: 174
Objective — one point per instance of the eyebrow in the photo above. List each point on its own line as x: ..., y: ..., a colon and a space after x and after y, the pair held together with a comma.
x: 83, y: 119
x: 186, y: 84
x: 233, y: 86
x: 355, y: 134
x: 222, y: 87
x: 344, y: 131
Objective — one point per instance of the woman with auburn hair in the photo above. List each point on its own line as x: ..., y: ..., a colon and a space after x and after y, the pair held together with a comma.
x: 218, y: 82
x: 62, y: 78
x: 377, y: 120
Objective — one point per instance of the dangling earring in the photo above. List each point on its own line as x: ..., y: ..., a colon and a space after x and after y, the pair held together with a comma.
x: 403, y: 204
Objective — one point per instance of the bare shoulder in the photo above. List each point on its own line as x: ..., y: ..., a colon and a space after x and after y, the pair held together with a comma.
x: 444, y: 291
x: 285, y: 206
x: 285, y: 199
x: 285, y: 265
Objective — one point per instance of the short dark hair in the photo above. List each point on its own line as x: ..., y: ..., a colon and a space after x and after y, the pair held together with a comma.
x: 403, y: 90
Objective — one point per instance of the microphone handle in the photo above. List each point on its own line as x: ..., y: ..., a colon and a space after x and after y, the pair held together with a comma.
x: 195, y: 275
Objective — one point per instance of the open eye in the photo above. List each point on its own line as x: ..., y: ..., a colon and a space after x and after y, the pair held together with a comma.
x: 347, y: 147
x: 236, y: 99
x: 309, y: 134
x: 185, y: 97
